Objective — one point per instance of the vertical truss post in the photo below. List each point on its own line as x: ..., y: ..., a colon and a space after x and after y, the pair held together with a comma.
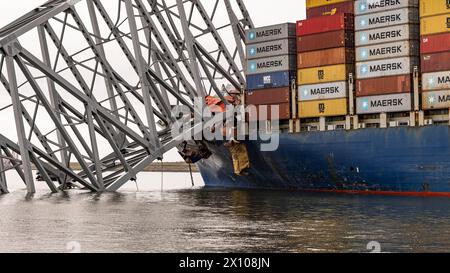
x: 20, y: 129
x: 3, y: 184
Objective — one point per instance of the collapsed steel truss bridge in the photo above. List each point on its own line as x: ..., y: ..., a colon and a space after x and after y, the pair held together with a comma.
x: 93, y: 82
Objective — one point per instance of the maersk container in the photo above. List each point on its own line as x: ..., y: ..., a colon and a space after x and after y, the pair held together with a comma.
x: 435, y: 43
x: 435, y: 24
x: 371, y: 6
x: 325, y: 24
x: 388, y: 50
x: 323, y: 91
x: 330, y: 9
x: 268, y: 96
x: 436, y: 81
x: 435, y: 62
x: 434, y: 7
x: 264, y: 112
x: 436, y: 100
x: 319, y: 3
x: 387, y: 19
x: 333, y: 39
x: 322, y: 108
x: 272, y: 48
x: 387, y: 35
x: 270, y: 80
x: 271, y: 64
x: 384, y: 104
x: 386, y: 67
x: 323, y: 74
x: 270, y: 33
x: 384, y: 85
x: 339, y: 55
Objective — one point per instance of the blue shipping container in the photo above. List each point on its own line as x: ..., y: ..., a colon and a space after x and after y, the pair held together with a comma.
x: 270, y: 80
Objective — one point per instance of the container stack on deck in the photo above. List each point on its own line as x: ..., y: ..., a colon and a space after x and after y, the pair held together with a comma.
x: 271, y: 66
x: 387, y: 50
x: 435, y: 53
x: 325, y: 59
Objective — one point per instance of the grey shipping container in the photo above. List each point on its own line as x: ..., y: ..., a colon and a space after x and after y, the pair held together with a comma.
x: 270, y: 33
x: 436, y: 80
x: 387, y: 35
x: 388, y: 50
x: 386, y: 67
x: 271, y: 64
x: 371, y: 6
x: 387, y: 18
x: 322, y: 91
x: 272, y: 48
x: 384, y: 104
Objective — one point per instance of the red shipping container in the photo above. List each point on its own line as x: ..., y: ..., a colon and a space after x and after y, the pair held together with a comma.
x: 325, y: 24
x: 338, y: 55
x: 283, y: 108
x: 384, y: 85
x: 332, y: 9
x: 435, y: 62
x: 435, y: 43
x: 268, y: 96
x: 333, y: 39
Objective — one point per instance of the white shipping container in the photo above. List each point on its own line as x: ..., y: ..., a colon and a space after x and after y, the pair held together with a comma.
x: 270, y: 33
x: 331, y: 90
x: 272, y: 64
x: 436, y: 80
x: 388, y: 50
x: 371, y: 6
x: 272, y: 48
x: 387, y: 18
x: 436, y: 100
x: 384, y: 104
x: 386, y: 67
x: 387, y: 35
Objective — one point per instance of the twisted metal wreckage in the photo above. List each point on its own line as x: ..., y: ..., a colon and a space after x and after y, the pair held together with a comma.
x: 112, y: 71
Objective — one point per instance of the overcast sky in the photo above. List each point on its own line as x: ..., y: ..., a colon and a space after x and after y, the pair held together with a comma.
x: 263, y: 12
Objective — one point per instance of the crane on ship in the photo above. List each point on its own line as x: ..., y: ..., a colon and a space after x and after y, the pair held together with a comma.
x: 95, y: 82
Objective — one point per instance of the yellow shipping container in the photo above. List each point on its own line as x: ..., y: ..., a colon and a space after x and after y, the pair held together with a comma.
x: 322, y: 108
x: 435, y: 24
x: 331, y: 73
x: 318, y: 3
x: 434, y: 7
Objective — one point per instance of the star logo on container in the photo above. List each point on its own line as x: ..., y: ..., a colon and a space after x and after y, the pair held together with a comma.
x: 305, y: 92
x: 252, y: 66
x: 365, y: 104
x: 363, y: 22
x: 252, y: 35
x: 364, y: 54
x: 252, y: 51
x: 431, y: 99
x: 363, y: 38
x: 363, y: 6
x: 431, y: 82
x: 364, y: 69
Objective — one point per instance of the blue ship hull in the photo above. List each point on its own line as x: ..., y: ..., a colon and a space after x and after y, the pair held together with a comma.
x: 409, y: 161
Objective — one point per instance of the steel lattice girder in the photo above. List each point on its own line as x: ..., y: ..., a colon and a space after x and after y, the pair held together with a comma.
x: 98, y: 85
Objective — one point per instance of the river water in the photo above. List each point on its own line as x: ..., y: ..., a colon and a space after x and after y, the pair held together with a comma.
x: 185, y: 219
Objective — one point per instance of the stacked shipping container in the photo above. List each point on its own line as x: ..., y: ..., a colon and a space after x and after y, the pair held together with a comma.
x: 387, y: 49
x: 435, y: 53
x: 325, y: 58
x: 271, y: 66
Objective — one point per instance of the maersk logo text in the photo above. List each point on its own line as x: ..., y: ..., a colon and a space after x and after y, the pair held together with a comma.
x: 386, y: 103
x: 386, y: 67
x: 265, y: 33
x: 363, y: 6
x: 385, y: 35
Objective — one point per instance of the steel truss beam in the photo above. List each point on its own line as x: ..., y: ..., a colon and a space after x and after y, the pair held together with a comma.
x: 100, y: 93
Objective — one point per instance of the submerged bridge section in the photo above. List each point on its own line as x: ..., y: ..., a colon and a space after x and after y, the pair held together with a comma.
x: 94, y: 82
